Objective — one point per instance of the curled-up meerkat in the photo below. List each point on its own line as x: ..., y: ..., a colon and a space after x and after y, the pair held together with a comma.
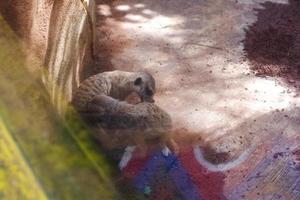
x: 133, y: 123
x: 116, y: 84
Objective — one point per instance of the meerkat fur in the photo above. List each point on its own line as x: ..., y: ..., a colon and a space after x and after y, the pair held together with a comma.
x: 134, y: 123
x: 116, y: 84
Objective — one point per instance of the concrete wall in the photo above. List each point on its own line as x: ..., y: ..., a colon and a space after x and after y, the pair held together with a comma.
x: 58, y: 37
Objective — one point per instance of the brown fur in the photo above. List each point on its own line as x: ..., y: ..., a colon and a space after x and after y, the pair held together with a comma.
x: 116, y: 84
x: 121, y: 123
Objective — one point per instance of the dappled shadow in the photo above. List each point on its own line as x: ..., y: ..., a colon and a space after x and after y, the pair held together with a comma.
x: 170, y: 21
x: 272, y: 43
x: 189, y: 68
x: 182, y: 45
x: 195, y: 70
x: 106, y: 45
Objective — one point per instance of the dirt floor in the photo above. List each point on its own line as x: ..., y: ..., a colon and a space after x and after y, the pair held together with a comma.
x: 226, y: 71
x: 272, y: 43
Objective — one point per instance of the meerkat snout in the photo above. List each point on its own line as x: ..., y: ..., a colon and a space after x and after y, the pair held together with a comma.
x: 145, y: 86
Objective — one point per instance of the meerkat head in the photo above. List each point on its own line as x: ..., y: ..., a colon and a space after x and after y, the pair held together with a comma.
x: 144, y: 85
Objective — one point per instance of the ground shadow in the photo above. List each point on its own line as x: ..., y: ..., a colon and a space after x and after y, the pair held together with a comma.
x: 106, y: 46
x: 272, y: 43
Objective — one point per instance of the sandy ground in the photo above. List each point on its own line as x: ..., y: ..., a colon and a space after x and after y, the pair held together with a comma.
x: 203, y: 55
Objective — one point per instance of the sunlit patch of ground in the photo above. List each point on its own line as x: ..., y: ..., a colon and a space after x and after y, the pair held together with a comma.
x: 195, y: 51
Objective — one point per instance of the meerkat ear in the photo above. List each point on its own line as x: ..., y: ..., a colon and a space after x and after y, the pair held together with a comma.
x: 138, y: 81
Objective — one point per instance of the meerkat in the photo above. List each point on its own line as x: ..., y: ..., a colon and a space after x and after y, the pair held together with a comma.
x: 116, y: 84
x: 133, y: 123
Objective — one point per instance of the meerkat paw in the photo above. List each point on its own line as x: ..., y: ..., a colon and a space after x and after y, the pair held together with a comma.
x: 126, y: 156
x: 173, y: 146
x: 166, y: 151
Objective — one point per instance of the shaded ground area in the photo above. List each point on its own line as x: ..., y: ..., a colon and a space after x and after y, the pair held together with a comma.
x: 205, y: 57
x: 272, y: 43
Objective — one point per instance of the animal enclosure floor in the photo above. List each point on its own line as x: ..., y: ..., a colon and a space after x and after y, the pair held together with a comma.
x: 227, y: 71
